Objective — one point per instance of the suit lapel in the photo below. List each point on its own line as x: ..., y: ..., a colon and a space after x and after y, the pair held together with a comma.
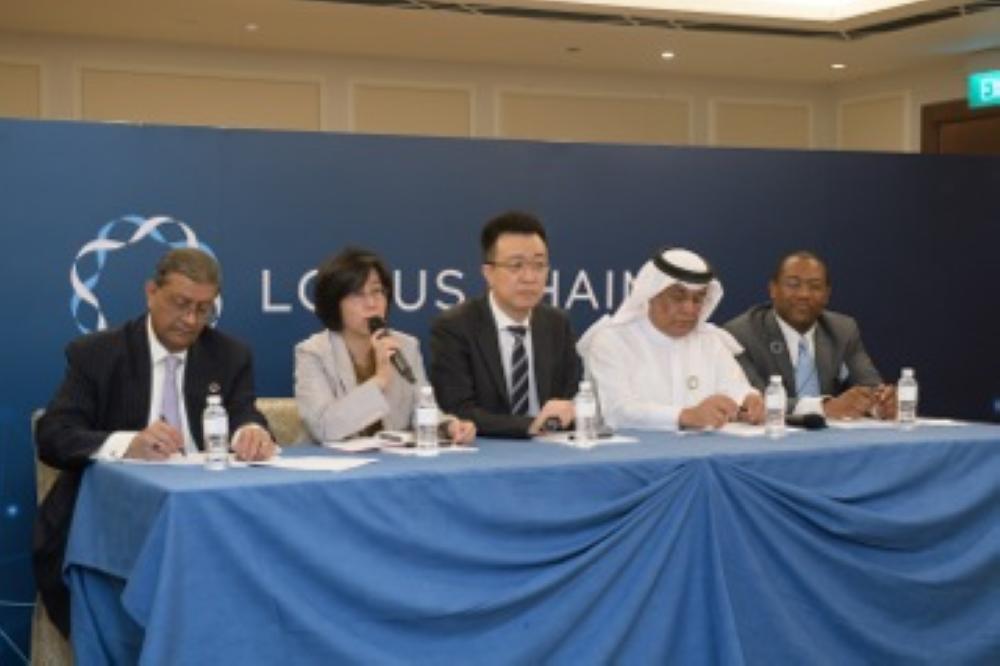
x: 777, y: 347
x: 488, y: 345
x: 542, y: 355
x: 826, y: 364
x: 198, y: 377
x: 140, y: 391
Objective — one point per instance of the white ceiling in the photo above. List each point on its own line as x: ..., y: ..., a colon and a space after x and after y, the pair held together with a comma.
x: 440, y: 30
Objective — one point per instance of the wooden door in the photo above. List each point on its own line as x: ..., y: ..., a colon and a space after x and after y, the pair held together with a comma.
x: 952, y: 128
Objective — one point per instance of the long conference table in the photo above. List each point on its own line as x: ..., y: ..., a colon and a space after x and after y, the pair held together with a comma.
x: 873, y: 546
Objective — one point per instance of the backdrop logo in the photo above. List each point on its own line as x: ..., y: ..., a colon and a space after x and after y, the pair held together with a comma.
x: 119, y: 234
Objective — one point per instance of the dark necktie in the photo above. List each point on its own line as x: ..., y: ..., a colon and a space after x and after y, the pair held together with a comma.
x: 518, y: 372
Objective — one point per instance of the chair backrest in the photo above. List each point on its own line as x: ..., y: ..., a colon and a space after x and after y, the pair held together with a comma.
x: 48, y: 646
x: 284, y: 420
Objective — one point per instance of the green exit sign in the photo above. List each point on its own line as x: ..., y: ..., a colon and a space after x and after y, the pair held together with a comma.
x: 984, y: 89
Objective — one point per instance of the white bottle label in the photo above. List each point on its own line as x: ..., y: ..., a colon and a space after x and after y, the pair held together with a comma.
x: 216, y: 427
x: 427, y: 417
x: 586, y: 409
x: 907, y: 393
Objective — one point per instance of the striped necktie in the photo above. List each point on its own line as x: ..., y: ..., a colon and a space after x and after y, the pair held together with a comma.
x: 518, y: 372
x: 806, y: 381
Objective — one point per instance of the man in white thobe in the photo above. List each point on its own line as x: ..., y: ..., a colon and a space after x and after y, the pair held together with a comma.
x: 658, y: 364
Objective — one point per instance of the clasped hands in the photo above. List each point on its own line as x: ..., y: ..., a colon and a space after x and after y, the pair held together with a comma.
x: 717, y: 410
x: 161, y: 440
x: 863, y: 401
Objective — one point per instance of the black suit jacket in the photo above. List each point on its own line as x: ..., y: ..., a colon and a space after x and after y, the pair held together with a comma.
x: 838, y: 344
x: 106, y: 389
x: 467, y: 371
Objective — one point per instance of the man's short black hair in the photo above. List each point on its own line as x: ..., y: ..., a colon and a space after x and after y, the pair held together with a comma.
x: 343, y: 274
x: 511, y: 222
x: 800, y: 254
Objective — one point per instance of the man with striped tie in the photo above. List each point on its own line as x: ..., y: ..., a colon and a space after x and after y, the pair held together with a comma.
x: 817, y: 352
x: 505, y: 360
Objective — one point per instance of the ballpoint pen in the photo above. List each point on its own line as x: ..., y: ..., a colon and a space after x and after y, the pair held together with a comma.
x: 183, y: 450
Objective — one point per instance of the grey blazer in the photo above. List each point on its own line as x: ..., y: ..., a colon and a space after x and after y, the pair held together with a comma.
x: 332, y: 403
x: 841, y: 359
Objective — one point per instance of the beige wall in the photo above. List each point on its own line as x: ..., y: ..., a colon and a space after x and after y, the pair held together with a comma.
x: 20, y: 89
x: 77, y: 78
x: 201, y: 98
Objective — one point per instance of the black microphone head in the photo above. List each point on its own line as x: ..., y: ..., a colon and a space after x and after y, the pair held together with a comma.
x: 375, y: 324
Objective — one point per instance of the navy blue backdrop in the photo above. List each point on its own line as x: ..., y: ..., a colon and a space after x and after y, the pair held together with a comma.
x: 910, y: 240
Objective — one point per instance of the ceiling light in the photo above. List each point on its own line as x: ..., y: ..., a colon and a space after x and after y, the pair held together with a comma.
x: 251, y: 27
x: 667, y: 55
x: 838, y: 65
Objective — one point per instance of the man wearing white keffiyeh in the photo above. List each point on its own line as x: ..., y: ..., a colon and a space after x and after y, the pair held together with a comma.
x: 658, y: 364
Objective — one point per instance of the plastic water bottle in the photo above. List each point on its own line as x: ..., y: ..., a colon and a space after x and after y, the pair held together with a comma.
x: 585, y: 408
x: 426, y: 421
x: 906, y: 399
x: 775, y: 406
x: 215, y: 426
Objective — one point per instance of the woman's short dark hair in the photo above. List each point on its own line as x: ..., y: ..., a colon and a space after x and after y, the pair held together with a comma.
x: 343, y: 274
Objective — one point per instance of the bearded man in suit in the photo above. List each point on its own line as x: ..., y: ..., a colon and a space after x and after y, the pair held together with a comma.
x: 137, y: 391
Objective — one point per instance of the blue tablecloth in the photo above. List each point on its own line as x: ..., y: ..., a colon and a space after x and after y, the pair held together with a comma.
x: 830, y: 547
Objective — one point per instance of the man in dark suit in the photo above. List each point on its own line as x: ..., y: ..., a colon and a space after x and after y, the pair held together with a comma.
x: 818, y: 353
x: 505, y: 360
x: 120, y: 399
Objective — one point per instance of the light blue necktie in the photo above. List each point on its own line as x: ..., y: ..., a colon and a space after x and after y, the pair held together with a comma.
x: 171, y: 412
x: 806, y: 381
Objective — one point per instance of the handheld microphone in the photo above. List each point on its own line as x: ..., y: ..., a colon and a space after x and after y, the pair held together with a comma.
x: 376, y: 324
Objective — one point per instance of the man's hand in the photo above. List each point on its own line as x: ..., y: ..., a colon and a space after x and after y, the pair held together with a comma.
x: 561, y: 409
x: 461, y: 432
x: 752, y: 409
x: 885, y: 403
x: 159, y: 441
x: 712, y: 412
x: 854, y: 403
x: 253, y: 443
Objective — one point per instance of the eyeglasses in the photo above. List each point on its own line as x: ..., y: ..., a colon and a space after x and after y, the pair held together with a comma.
x: 375, y: 293
x: 697, y: 298
x: 518, y: 266
x: 204, y: 313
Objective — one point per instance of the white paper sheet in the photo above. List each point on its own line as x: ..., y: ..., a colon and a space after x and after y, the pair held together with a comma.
x: 314, y: 463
